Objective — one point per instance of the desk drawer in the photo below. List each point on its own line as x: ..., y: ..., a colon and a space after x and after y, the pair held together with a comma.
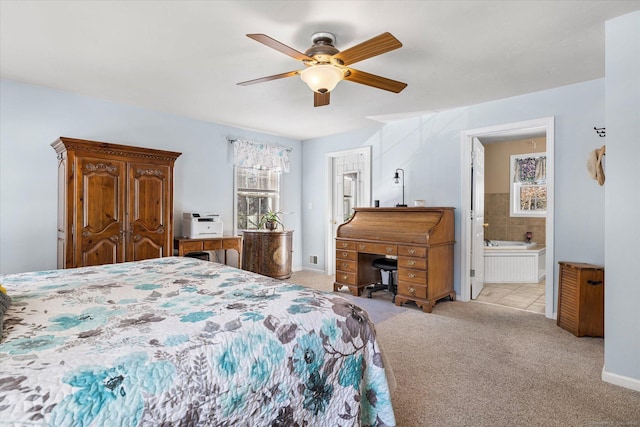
x: 348, y: 255
x: 212, y: 245
x: 377, y: 248
x: 413, y: 276
x: 346, y: 278
x: 192, y: 247
x: 413, y: 251
x: 350, y: 246
x: 412, y: 290
x: 230, y: 243
x: 419, y: 263
x: 342, y: 265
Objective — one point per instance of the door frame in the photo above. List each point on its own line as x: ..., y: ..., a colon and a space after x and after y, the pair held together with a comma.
x: 546, y: 124
x: 330, y: 242
x: 477, y: 227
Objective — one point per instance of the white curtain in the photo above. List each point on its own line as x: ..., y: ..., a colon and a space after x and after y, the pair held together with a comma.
x: 264, y: 156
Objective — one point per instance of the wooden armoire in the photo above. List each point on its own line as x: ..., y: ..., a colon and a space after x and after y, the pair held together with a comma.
x: 115, y: 202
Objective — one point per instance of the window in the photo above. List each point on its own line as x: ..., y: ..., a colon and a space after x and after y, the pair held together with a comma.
x: 257, y: 191
x: 258, y: 170
x: 528, y: 195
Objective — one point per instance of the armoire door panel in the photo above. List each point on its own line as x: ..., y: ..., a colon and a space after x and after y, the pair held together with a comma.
x: 101, y: 211
x: 104, y: 251
x: 149, y: 209
x: 145, y: 248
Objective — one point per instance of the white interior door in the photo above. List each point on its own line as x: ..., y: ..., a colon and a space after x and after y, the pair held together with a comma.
x: 350, y: 186
x: 477, y: 218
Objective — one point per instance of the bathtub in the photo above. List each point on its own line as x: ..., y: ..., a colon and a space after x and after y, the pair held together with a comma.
x: 514, y: 262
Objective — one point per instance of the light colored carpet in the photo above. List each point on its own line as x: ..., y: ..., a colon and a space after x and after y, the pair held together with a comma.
x: 379, y: 306
x: 474, y: 364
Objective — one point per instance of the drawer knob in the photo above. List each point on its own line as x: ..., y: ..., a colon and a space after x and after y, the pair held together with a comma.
x: 412, y: 276
x: 344, y: 254
x: 412, y: 251
x: 344, y: 245
x: 363, y: 246
x: 412, y: 290
x: 344, y: 277
x: 389, y: 250
x: 412, y: 262
x: 345, y: 265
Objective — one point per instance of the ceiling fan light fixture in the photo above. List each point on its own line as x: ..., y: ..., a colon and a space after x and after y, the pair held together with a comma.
x: 322, y: 78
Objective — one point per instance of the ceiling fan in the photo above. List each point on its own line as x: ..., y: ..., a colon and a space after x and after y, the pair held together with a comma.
x: 326, y: 65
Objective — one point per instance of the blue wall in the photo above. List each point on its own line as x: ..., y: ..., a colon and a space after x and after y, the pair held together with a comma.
x: 32, y: 117
x: 622, y: 262
x: 429, y: 149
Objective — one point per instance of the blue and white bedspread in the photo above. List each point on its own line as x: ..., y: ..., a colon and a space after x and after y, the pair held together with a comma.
x: 184, y: 342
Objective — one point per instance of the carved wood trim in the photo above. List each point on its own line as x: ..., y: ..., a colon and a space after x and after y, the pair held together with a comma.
x: 72, y: 144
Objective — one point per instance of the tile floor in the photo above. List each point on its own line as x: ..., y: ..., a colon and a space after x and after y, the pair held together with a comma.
x: 527, y: 296
x: 522, y: 296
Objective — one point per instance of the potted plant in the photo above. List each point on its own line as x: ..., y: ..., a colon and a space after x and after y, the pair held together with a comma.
x: 270, y: 220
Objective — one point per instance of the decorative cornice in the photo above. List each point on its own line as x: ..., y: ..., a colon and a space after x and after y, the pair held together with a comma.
x: 70, y: 144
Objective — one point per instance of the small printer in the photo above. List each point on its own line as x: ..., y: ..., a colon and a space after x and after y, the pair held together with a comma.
x: 201, y: 225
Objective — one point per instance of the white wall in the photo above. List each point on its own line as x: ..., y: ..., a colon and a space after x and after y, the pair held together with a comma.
x: 32, y: 117
x: 428, y: 148
x: 622, y: 225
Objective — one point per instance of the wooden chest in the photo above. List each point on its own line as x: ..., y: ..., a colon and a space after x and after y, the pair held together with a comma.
x: 268, y: 252
x: 581, y: 299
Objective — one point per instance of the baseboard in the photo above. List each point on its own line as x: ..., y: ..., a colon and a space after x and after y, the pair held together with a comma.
x: 626, y: 382
x: 315, y: 270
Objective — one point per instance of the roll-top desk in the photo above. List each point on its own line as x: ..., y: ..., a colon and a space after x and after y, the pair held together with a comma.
x: 422, y: 238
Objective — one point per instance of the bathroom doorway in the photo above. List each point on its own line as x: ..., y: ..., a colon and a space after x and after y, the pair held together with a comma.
x: 536, y: 130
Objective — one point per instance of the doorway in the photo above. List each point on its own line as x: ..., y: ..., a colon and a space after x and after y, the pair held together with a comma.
x: 348, y: 186
x: 470, y: 229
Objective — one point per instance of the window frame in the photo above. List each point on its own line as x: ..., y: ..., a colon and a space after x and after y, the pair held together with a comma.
x: 260, y: 191
x: 516, y: 188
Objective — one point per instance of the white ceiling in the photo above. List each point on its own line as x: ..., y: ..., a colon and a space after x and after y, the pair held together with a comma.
x: 185, y: 57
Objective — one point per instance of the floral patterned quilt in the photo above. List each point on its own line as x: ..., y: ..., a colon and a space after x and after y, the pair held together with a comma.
x: 184, y: 342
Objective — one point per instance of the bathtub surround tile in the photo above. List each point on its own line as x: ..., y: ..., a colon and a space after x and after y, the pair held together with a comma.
x: 504, y: 227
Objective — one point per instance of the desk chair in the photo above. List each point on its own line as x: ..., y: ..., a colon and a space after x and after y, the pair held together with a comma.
x: 389, y: 265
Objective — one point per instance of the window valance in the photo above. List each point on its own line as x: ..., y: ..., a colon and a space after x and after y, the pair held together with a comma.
x: 530, y: 170
x: 262, y: 156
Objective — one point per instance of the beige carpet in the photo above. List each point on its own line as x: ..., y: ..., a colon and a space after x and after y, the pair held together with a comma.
x: 474, y: 364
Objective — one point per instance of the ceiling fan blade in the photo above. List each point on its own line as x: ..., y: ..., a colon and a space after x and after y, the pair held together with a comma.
x: 320, y: 99
x: 376, y: 46
x: 374, y: 81
x: 269, y: 78
x: 280, y: 47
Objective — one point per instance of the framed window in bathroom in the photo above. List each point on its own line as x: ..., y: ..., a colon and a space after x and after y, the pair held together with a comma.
x: 528, y: 191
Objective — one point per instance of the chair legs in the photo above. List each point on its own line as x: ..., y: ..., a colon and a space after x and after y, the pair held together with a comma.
x: 391, y: 287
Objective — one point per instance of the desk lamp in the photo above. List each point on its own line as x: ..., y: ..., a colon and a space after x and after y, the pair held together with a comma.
x: 396, y: 181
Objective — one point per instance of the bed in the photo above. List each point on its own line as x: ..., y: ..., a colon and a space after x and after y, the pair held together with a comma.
x: 184, y: 342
